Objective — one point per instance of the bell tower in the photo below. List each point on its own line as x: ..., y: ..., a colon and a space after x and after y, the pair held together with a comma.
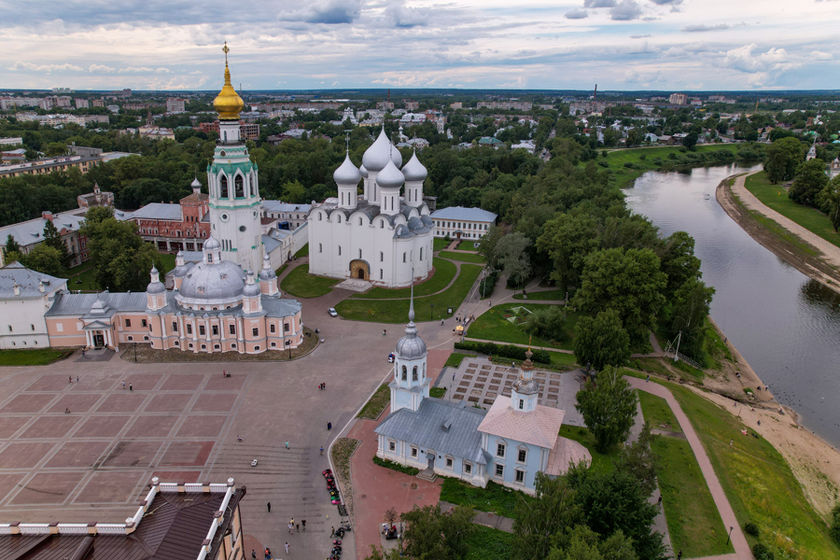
x: 410, y: 385
x: 233, y: 184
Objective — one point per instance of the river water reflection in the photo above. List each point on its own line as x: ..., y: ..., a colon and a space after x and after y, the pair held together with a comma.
x: 786, y: 325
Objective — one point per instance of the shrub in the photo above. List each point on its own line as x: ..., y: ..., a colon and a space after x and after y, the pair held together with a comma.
x: 761, y: 552
x: 834, y: 531
x: 504, y: 350
x: 395, y: 466
x: 548, y: 323
x: 485, y: 287
x: 751, y: 529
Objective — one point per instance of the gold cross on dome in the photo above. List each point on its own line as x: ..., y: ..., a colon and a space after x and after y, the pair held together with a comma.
x: 226, y: 50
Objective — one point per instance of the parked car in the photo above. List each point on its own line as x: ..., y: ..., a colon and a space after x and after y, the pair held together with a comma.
x: 391, y: 358
x: 332, y: 312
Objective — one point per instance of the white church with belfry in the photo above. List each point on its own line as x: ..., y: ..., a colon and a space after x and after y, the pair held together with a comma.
x: 384, y: 233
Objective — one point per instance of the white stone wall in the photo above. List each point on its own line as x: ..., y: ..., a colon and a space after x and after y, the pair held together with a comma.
x: 22, y: 323
x: 376, y: 242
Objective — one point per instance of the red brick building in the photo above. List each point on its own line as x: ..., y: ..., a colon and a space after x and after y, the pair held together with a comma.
x: 175, y: 227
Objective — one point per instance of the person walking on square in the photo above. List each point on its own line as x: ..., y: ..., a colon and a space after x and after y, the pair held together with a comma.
x: 303, y: 522
x: 287, y: 445
x: 268, y: 506
x: 329, y: 426
x: 287, y: 547
x: 297, y: 527
x: 253, y: 554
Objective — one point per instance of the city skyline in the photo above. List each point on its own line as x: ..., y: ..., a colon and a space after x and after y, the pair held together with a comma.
x: 618, y: 44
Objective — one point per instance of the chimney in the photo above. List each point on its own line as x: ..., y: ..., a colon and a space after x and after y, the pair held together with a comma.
x: 47, y: 215
x: 16, y: 289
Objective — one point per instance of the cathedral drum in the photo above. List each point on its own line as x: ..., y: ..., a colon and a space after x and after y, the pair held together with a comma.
x: 359, y: 269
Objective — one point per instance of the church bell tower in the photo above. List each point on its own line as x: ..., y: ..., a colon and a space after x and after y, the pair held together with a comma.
x: 233, y: 183
x: 410, y: 385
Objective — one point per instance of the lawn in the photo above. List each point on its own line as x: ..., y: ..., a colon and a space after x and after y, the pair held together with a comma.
x: 303, y: 251
x: 444, y: 272
x: 467, y: 245
x: 463, y: 257
x: 495, y: 498
x: 485, y: 543
x: 377, y: 403
x: 455, y: 359
x: 428, y: 308
x: 300, y: 283
x: 601, y: 462
x: 626, y: 165
x: 33, y: 357
x: 758, y: 482
x: 775, y: 197
x: 693, y: 519
x: 494, y: 324
x: 441, y: 243
x: 657, y: 413
x: 544, y: 295
x: 437, y: 392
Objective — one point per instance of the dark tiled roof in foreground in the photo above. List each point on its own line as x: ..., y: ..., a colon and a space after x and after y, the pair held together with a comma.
x: 173, y: 528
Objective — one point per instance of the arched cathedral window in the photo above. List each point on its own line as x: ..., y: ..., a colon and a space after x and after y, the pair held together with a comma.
x: 224, y: 186
x: 404, y: 373
x: 240, y: 186
x: 414, y: 373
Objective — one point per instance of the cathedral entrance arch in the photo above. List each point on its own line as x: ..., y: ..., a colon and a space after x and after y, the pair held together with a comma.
x: 359, y: 269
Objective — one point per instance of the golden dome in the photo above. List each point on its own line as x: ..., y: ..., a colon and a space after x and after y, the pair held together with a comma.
x: 228, y: 103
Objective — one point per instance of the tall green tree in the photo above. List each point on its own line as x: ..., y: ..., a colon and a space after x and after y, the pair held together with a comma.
x: 568, y: 239
x: 628, y: 281
x: 829, y: 201
x: 608, y: 407
x: 121, y: 258
x: 639, y: 460
x: 687, y: 312
x: 537, y: 521
x: 601, y: 341
x: 582, y: 543
x: 513, y: 258
x: 782, y: 157
x: 12, y: 246
x: 52, y: 237
x: 678, y: 262
x: 809, y: 181
x: 433, y: 535
x: 44, y: 258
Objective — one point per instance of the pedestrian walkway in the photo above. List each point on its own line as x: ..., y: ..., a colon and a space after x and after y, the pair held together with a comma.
x: 484, y: 518
x: 727, y: 514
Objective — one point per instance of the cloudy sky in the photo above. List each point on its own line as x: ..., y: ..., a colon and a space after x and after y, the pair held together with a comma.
x: 292, y: 44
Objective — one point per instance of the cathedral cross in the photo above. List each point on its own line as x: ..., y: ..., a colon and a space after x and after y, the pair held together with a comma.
x: 226, y: 50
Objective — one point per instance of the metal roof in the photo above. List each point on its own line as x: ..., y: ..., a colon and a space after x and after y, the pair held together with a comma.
x: 67, y: 303
x: 32, y: 231
x: 28, y: 281
x: 279, y: 206
x: 461, y: 213
x: 158, y: 211
x: 443, y: 426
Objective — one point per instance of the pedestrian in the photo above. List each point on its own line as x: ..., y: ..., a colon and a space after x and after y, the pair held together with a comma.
x: 287, y: 445
x: 287, y: 547
x: 224, y: 373
x: 66, y: 411
x: 384, y: 332
x: 297, y: 529
x: 441, y: 322
x: 123, y: 384
x: 69, y: 379
x: 267, y: 553
x: 268, y: 506
x: 332, y: 531
x: 303, y: 522
x: 647, y: 378
x: 679, y: 555
x: 253, y: 554
x: 130, y: 387
x: 329, y: 426
x: 322, y: 452
x: 83, y: 352
x: 77, y: 379
x: 659, y: 501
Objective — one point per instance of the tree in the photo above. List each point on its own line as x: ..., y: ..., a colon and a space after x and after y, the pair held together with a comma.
x: 380, y: 554
x: 608, y: 406
x: 12, y: 246
x: 568, y: 239
x: 638, y: 459
x: 433, y: 535
x: 548, y: 322
x: 122, y: 259
x: 678, y: 261
x: 512, y: 257
x: 829, y: 201
x: 688, y: 309
x: 582, y: 543
x: 782, y: 157
x: 536, y: 521
x: 809, y: 181
x: 601, y: 341
x: 615, y: 501
x: 834, y: 529
x: 44, y: 258
x: 628, y: 281
x: 690, y: 140
x: 52, y: 237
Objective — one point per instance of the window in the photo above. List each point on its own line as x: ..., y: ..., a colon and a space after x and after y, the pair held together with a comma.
x: 286, y: 327
x: 520, y: 476
x: 360, y: 253
x: 339, y: 250
x: 421, y: 253
x: 380, y: 274
x: 360, y: 221
x: 238, y: 184
x: 143, y: 322
x: 414, y: 452
x: 523, y: 454
x: 414, y: 373
x: 382, y: 224
x: 404, y: 373
x: 320, y: 248
x: 449, y: 462
x: 255, y: 331
x: 272, y: 328
x: 500, y: 470
x: 130, y: 337
x: 59, y: 327
x: 500, y: 450
x: 215, y: 330
x: 392, y: 446
x: 521, y: 404
x: 381, y: 256
x: 339, y: 218
x: 201, y: 330
x: 320, y: 217
x: 224, y: 184
x: 467, y: 467
x: 189, y: 328
x: 403, y: 257
x: 174, y: 326
x: 232, y: 329
x: 128, y: 322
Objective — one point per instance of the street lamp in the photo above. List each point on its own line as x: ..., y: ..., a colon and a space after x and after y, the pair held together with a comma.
x: 729, y: 536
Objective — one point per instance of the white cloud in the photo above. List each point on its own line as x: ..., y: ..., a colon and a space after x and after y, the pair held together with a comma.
x: 696, y: 28
x: 626, y: 10
x: 404, y: 16
x: 598, y: 3
x: 578, y: 13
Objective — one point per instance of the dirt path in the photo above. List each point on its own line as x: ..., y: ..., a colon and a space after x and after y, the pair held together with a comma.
x: 739, y: 203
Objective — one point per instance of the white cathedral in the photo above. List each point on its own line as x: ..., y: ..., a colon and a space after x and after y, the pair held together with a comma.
x: 381, y: 236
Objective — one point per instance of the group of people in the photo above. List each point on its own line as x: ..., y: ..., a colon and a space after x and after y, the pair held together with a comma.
x: 293, y: 528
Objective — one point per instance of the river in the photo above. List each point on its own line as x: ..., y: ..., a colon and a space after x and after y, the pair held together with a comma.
x: 786, y: 325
